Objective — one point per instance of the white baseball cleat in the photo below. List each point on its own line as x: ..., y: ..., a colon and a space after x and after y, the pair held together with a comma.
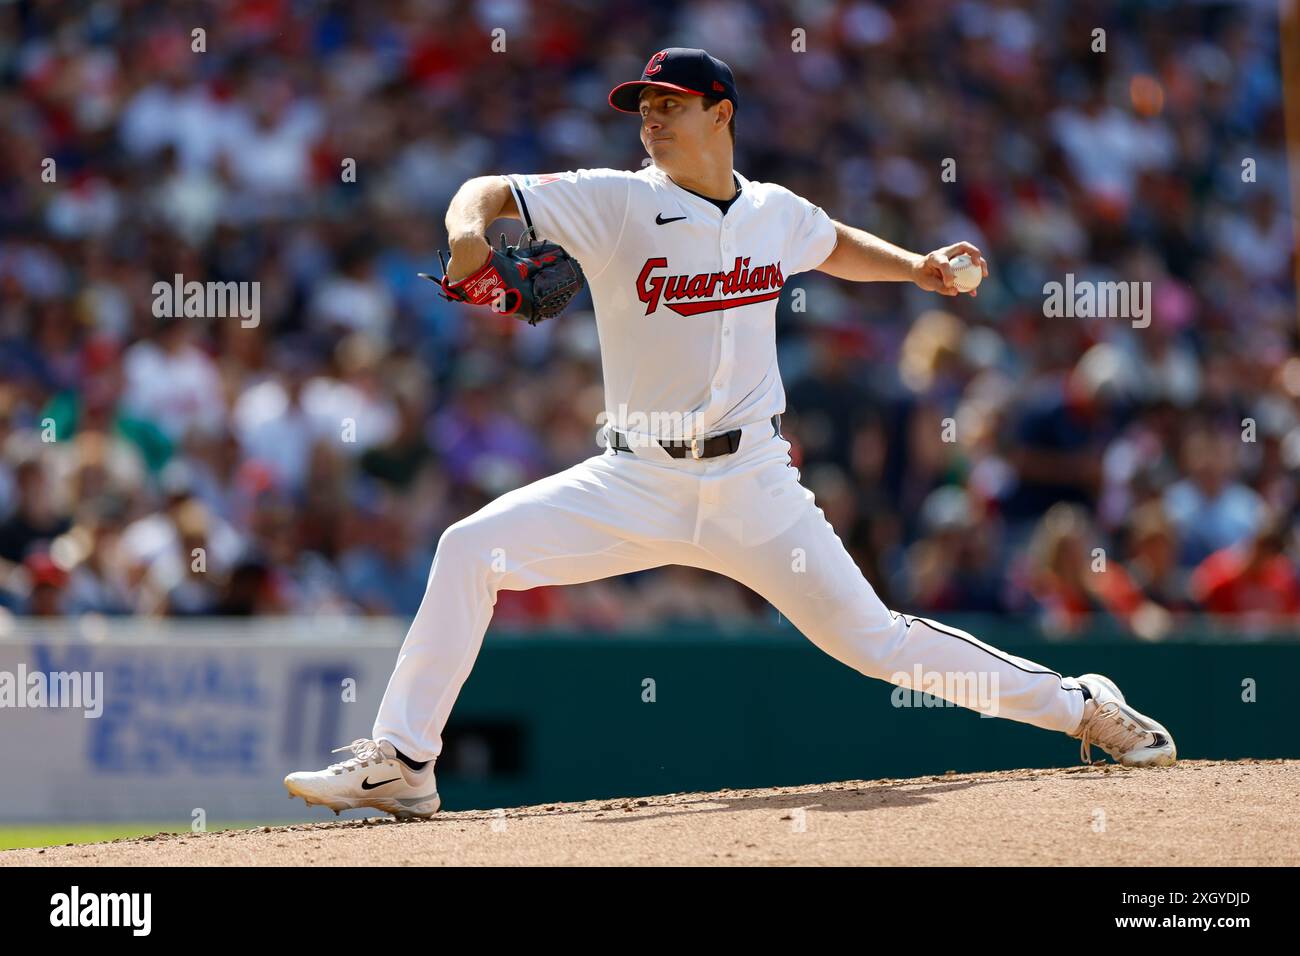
x: 1130, y: 737
x: 374, y: 776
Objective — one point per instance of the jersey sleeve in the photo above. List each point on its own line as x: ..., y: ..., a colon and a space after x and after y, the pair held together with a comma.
x: 582, y: 210
x: 812, y: 235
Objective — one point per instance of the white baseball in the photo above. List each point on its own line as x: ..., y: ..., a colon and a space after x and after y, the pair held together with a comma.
x: 966, y: 275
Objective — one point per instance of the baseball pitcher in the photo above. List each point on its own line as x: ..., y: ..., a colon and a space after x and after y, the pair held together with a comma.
x: 686, y: 259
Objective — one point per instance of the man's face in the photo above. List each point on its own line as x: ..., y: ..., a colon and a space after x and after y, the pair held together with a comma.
x: 675, y: 128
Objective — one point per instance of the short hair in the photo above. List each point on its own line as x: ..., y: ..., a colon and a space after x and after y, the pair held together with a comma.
x: 708, y: 102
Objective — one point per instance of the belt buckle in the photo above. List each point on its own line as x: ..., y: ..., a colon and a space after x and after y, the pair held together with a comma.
x: 697, y: 449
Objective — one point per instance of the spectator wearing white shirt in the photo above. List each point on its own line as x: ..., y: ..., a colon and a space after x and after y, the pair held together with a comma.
x: 354, y: 299
x: 353, y: 412
x: 173, y: 383
x: 268, y: 147
x: 272, y: 425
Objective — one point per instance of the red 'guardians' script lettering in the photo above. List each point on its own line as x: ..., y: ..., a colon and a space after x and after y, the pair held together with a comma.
x: 741, y: 286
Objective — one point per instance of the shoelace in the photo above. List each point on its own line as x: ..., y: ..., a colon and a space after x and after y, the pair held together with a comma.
x: 1108, y: 729
x: 364, y: 752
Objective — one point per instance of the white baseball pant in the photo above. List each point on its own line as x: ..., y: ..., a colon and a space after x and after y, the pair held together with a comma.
x: 744, y: 515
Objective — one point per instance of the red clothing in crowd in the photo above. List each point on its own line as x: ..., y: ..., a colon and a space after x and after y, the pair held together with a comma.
x: 1224, y: 584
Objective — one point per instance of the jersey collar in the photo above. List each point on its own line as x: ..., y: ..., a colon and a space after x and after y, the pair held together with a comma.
x: 667, y: 180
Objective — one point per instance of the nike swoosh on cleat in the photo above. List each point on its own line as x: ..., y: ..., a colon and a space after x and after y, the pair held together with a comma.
x: 1160, y: 739
x: 367, y: 785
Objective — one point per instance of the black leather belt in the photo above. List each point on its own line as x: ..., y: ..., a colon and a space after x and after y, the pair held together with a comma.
x: 723, y: 444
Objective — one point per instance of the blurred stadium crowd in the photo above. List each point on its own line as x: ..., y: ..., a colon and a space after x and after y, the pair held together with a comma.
x: 1095, y: 467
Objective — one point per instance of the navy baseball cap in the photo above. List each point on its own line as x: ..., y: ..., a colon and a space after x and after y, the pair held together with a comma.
x: 681, y: 69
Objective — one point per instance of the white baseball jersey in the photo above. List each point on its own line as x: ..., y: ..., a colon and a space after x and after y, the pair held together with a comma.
x: 685, y: 296
x: 685, y: 304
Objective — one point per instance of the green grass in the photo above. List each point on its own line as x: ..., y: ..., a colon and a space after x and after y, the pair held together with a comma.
x: 15, y: 836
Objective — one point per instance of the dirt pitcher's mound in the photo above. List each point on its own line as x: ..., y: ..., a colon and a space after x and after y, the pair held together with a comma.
x: 1200, y: 812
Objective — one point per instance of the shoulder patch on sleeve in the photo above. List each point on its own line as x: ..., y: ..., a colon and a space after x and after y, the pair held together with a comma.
x: 534, y: 180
